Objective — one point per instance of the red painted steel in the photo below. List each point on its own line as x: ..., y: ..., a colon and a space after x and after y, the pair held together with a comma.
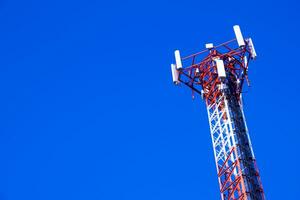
x: 202, y: 77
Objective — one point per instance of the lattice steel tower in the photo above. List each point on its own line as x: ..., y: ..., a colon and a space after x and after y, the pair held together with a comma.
x: 218, y: 74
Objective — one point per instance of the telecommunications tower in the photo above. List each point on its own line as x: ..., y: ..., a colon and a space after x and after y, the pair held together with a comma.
x: 218, y: 74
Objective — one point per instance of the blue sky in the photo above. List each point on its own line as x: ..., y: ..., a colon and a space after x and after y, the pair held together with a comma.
x: 89, y: 111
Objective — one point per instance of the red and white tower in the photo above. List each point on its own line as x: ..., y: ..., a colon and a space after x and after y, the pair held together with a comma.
x: 218, y: 74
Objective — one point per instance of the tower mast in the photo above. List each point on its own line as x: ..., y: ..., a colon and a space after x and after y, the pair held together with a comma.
x: 218, y: 74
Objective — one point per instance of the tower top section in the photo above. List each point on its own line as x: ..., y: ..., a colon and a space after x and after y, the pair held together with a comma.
x: 207, y: 72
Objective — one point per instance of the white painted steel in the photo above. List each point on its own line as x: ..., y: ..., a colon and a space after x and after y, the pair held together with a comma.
x: 245, y: 61
x: 223, y: 134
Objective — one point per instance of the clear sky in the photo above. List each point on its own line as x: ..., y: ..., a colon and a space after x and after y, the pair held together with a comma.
x: 89, y: 111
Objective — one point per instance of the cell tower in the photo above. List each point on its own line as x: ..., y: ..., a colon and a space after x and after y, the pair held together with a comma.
x: 218, y: 74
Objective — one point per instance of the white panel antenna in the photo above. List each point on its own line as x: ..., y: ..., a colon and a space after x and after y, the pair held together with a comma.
x: 175, y: 74
x: 252, y: 49
x: 238, y: 35
x: 209, y: 45
x: 220, y: 68
x: 178, y: 59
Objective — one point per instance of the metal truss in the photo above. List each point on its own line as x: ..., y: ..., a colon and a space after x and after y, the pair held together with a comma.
x: 238, y: 175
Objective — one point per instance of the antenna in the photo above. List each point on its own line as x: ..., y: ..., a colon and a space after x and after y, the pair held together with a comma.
x: 220, y: 68
x: 238, y: 35
x: 178, y: 59
x: 209, y: 45
x: 175, y: 74
x: 252, y: 49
